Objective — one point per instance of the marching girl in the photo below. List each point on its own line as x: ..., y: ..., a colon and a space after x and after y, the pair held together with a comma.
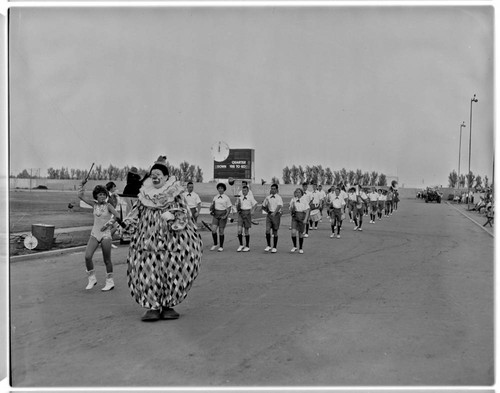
x: 388, y: 203
x: 299, y: 210
x: 245, y: 207
x: 273, y: 207
x: 373, y: 200
x: 100, y: 234
x: 366, y: 206
x: 220, y: 209
x: 381, y: 202
x: 315, y: 204
x: 307, y: 197
x: 336, y: 203
x: 361, y: 198
x: 352, y: 199
x: 322, y: 197
x: 395, y: 200
x: 344, y: 196
x: 395, y: 194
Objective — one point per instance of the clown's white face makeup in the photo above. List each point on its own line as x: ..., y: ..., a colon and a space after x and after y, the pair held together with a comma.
x: 158, y: 178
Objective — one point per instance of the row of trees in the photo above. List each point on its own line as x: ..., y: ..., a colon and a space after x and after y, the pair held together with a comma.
x: 184, y: 172
x: 472, y: 181
x: 320, y: 175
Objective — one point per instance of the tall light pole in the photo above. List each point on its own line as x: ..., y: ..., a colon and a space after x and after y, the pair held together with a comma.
x: 459, y: 150
x: 473, y: 99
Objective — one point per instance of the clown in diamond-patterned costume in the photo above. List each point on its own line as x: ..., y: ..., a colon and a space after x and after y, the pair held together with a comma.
x: 165, y: 249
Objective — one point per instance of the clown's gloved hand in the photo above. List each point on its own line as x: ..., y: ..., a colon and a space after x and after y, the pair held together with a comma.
x: 167, y: 216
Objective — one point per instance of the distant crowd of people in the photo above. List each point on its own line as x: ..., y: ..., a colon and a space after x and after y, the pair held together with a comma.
x: 306, y: 209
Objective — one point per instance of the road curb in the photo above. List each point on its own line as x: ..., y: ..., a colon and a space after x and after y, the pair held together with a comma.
x: 45, y: 254
x: 492, y: 234
x: 69, y: 250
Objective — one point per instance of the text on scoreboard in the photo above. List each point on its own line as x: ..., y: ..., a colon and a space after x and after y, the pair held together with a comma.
x: 238, y: 164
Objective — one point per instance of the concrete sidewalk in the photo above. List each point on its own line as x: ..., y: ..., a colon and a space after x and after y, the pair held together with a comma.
x: 478, y: 218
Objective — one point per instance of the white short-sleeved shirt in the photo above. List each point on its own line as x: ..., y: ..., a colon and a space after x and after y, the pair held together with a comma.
x: 382, y: 197
x: 373, y: 196
x: 305, y: 199
x: 192, y: 198
x: 250, y: 193
x: 222, y: 202
x: 307, y: 196
x: 247, y: 202
x: 343, y: 194
x: 322, y: 195
x: 315, y: 197
x: 299, y: 204
x: 336, y: 200
x: 352, y: 196
x: 272, y: 202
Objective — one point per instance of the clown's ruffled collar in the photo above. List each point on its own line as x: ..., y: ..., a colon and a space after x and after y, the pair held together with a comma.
x: 159, y: 197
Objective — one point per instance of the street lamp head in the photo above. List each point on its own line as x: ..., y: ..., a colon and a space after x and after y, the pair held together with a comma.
x: 474, y: 98
x: 463, y: 124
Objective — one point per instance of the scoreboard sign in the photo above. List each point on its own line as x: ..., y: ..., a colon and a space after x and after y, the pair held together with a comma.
x: 239, y: 165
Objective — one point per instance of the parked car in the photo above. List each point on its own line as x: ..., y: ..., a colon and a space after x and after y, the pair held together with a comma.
x: 433, y: 195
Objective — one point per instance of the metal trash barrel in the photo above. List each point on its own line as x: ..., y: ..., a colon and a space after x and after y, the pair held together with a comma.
x: 44, y: 234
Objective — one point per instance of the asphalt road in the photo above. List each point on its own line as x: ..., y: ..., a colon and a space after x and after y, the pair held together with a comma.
x: 407, y: 302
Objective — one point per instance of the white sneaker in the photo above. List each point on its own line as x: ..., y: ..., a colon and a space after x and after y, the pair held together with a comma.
x: 355, y: 229
x: 350, y: 220
x: 220, y: 249
x: 240, y: 248
x: 301, y: 251
x: 113, y: 246
x: 274, y: 250
x: 332, y: 235
x: 213, y: 248
x: 306, y: 235
x: 290, y: 228
x: 267, y: 249
x: 293, y: 249
x: 360, y: 229
x: 246, y: 249
x: 338, y: 236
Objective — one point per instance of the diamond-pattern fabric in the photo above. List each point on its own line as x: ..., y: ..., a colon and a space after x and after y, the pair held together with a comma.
x: 162, y: 263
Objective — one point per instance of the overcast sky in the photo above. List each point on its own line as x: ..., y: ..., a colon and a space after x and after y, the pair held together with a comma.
x: 373, y: 88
